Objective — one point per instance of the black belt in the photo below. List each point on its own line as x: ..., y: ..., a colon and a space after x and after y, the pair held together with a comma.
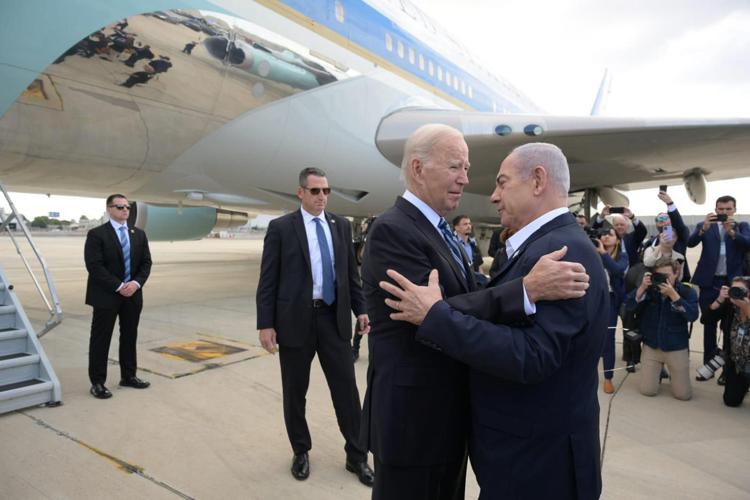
x: 320, y: 304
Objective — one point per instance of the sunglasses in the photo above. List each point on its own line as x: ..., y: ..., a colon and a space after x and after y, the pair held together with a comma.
x: 316, y: 191
x: 120, y: 207
x: 662, y: 218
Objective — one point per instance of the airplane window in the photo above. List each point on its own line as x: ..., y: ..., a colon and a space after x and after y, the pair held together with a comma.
x: 389, y: 42
x: 400, y: 48
x: 471, y: 93
x: 440, y: 73
x: 463, y: 87
x: 339, y: 10
x: 448, y: 78
x: 421, y: 62
x: 430, y: 68
x: 411, y: 55
x: 455, y: 84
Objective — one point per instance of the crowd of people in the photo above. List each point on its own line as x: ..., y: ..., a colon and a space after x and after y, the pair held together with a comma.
x: 463, y: 365
x: 653, y: 293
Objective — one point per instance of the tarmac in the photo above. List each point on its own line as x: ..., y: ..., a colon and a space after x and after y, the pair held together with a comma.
x: 211, y: 426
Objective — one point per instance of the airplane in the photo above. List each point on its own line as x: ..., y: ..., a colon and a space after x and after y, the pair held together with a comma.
x: 204, y: 110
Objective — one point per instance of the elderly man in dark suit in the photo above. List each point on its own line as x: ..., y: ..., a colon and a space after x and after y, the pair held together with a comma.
x: 534, y: 407
x: 724, y: 242
x: 308, y: 288
x: 119, y: 262
x: 416, y: 414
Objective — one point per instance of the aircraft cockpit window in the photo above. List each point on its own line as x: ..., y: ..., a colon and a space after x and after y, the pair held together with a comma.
x: 339, y: 11
x: 388, y: 42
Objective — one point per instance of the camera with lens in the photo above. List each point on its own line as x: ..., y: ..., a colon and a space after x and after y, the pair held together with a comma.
x: 707, y: 371
x: 595, y: 234
x: 737, y: 292
x: 656, y: 280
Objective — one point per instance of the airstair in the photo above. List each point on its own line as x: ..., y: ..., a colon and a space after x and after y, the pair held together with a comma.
x: 26, y: 375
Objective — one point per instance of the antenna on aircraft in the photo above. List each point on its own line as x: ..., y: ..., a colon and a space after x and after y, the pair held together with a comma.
x: 603, y: 95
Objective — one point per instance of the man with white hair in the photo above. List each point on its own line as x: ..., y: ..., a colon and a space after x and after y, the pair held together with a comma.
x: 631, y: 240
x: 534, y: 406
x: 415, y: 413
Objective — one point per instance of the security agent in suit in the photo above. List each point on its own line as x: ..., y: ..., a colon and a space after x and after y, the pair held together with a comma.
x: 119, y: 262
x: 415, y: 414
x: 308, y: 288
x: 723, y: 248
x: 534, y: 407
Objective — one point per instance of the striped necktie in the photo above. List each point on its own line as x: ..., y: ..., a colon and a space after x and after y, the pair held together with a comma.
x: 450, y: 240
x: 125, y: 244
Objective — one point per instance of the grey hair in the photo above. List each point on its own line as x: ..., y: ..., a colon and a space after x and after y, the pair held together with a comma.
x: 421, y: 144
x: 307, y: 172
x: 548, y: 156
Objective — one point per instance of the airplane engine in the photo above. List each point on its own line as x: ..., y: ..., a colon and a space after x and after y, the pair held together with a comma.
x: 265, y: 63
x: 695, y: 185
x: 612, y: 197
x: 175, y: 223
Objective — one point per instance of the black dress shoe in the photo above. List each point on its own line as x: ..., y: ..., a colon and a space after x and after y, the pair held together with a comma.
x: 701, y: 378
x: 301, y: 466
x: 134, y: 382
x: 631, y: 368
x: 100, y: 392
x: 362, y: 470
x: 721, y: 380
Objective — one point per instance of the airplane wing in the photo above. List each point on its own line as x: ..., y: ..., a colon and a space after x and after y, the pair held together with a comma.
x: 625, y: 153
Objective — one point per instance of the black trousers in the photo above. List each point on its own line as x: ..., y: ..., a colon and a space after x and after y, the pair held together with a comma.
x: 736, y: 385
x: 335, y: 355
x: 102, y: 325
x: 437, y: 482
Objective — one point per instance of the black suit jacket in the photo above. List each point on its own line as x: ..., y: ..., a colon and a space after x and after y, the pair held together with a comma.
x: 416, y: 406
x: 104, y: 262
x: 284, y: 296
x: 535, y: 412
x: 632, y: 240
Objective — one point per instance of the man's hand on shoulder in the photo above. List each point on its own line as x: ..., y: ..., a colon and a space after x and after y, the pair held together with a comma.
x: 267, y: 337
x: 554, y: 279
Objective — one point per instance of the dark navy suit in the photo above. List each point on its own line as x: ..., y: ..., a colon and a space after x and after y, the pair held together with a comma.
x: 534, y: 406
x: 705, y: 272
x: 416, y: 409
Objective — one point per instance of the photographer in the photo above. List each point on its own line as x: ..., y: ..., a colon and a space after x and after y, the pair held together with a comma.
x: 673, y: 220
x: 665, y: 249
x: 732, y: 306
x: 631, y: 241
x: 665, y: 307
x: 724, y: 243
x: 615, y: 263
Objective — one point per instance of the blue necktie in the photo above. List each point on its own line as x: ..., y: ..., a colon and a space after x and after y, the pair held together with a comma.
x: 125, y: 244
x: 452, y: 244
x: 329, y: 293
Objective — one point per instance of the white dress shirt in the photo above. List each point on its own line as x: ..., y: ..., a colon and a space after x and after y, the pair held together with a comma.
x: 515, y: 242
x: 316, y: 261
x: 117, y: 227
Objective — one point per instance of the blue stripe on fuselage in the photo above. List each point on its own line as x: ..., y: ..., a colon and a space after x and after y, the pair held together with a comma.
x: 367, y: 27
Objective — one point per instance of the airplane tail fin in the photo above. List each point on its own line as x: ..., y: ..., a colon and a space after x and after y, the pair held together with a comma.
x: 603, y: 95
